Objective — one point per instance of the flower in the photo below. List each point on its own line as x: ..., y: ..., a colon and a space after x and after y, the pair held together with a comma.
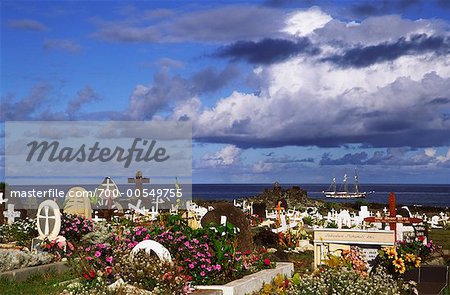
x: 417, y: 262
x: 266, y: 262
x: 98, y: 254
x: 108, y: 270
x: 399, y: 265
x: 109, y: 259
x: 391, y: 252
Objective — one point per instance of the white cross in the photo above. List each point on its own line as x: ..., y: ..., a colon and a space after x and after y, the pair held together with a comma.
x: 137, y: 208
x: 11, y: 214
x: 2, y: 200
x: 108, y: 184
x: 47, y: 218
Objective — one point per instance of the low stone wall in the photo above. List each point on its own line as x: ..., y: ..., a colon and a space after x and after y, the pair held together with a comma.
x: 253, y: 282
x: 22, y: 274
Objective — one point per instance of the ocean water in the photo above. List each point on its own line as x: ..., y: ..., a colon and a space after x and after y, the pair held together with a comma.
x: 406, y: 194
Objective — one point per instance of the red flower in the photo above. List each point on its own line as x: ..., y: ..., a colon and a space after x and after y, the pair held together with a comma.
x: 92, y: 274
x: 108, y: 270
x: 86, y: 276
x: 286, y: 283
x: 267, y: 262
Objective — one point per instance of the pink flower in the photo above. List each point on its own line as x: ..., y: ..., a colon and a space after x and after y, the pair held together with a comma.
x: 218, y: 267
x: 267, y: 262
x: 98, y: 254
x: 88, y: 258
x: 202, y: 273
x: 109, y: 259
x: 191, y: 265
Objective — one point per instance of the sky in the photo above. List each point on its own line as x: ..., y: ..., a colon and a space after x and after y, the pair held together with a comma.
x: 289, y: 91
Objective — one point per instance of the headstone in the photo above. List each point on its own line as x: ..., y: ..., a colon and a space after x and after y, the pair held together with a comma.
x: 48, y: 220
x: 236, y: 217
x: 329, y: 240
x: 260, y: 210
x: 149, y: 246
x: 108, y: 194
x: 139, y: 180
x: 77, y: 202
x: 10, y: 214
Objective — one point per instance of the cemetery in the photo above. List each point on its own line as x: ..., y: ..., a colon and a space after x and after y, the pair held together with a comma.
x: 286, y: 244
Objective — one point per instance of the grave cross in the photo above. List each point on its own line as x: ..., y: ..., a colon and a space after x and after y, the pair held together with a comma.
x: 279, y: 208
x: 11, y: 214
x: 392, y: 219
x: 139, y: 181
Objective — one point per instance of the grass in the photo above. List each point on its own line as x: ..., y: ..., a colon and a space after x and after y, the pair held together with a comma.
x: 38, y: 284
x: 440, y: 237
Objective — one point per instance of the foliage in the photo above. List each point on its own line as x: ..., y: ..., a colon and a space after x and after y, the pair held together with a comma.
x: 22, y: 231
x: 405, y: 256
x: 291, y: 238
x: 101, y: 233
x: 351, y: 259
x: 346, y: 281
x: 59, y: 248
x: 147, y: 272
x: 253, y: 219
x: 13, y: 259
x: 94, y: 261
x: 74, y: 227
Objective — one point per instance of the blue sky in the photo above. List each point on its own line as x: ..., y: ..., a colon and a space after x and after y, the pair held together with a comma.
x: 288, y: 91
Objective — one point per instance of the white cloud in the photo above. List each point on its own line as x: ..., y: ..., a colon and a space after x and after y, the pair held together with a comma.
x: 226, y: 157
x: 302, y: 23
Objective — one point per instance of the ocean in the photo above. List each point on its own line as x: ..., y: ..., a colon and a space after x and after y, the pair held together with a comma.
x: 437, y: 195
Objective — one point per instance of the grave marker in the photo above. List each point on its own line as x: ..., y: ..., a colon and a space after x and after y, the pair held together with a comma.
x: 149, y: 246
x: 77, y: 202
x: 51, y: 229
x: 139, y: 180
x: 329, y: 240
x: 11, y: 214
x: 392, y: 219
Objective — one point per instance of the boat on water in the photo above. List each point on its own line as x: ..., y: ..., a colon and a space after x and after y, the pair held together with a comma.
x: 332, y: 191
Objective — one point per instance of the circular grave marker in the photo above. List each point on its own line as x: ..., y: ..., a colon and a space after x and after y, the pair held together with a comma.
x: 49, y: 215
x: 149, y: 246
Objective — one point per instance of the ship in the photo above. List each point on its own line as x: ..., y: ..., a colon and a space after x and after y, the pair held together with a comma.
x: 332, y: 191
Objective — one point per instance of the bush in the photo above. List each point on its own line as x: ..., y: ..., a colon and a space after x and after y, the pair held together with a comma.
x: 21, y: 231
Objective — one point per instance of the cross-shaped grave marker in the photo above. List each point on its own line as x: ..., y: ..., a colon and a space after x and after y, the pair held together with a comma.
x: 139, y: 180
x: 279, y: 208
x: 392, y: 219
x: 11, y: 214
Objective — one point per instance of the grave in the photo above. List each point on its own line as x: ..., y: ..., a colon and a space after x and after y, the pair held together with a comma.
x: 234, y: 216
x: 10, y: 214
x: 393, y: 219
x: 369, y: 241
x: 49, y: 215
x: 150, y: 246
x: 77, y: 202
x: 139, y: 180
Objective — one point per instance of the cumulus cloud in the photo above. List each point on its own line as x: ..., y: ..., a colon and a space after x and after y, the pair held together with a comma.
x: 227, y: 157
x: 27, y: 25
x: 393, y: 93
